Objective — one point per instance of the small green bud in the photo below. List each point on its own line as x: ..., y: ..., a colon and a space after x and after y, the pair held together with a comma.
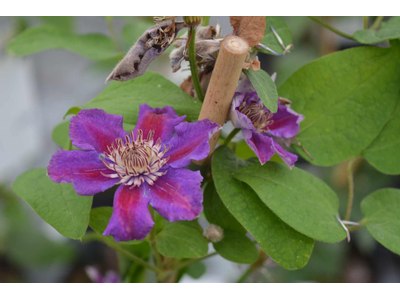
x: 192, y: 21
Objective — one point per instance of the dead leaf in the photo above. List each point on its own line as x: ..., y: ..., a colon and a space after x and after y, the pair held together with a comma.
x: 249, y: 28
x: 254, y: 64
x: 187, y: 86
x: 204, y: 77
x: 153, y: 42
x: 206, y: 46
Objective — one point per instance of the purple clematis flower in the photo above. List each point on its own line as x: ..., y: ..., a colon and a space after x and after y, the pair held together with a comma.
x: 266, y: 133
x: 148, y: 164
x: 95, y: 275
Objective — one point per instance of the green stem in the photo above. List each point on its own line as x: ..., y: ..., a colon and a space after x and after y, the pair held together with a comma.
x: 193, y: 64
x: 365, y: 22
x: 192, y: 261
x: 354, y: 228
x: 115, y: 246
x: 231, y: 136
x: 245, y: 275
x: 376, y: 23
x: 153, y: 246
x: 350, y: 179
x: 113, y: 34
x: 337, y: 31
x: 205, y: 21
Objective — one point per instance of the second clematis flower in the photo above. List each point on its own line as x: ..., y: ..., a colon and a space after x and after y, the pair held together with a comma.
x: 266, y: 133
x: 148, y: 164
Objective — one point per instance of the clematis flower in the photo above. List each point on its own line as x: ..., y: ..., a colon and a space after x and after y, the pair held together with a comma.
x: 266, y: 133
x: 148, y: 164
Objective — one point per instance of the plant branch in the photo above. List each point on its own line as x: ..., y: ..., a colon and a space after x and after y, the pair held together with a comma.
x: 365, y: 22
x: 205, y: 21
x: 193, y: 64
x: 153, y: 246
x: 231, y: 136
x: 376, y: 23
x: 262, y: 258
x: 327, y: 26
x: 350, y: 179
x: 192, y: 261
x: 115, y: 246
x: 354, y: 228
x: 245, y: 274
x: 223, y: 84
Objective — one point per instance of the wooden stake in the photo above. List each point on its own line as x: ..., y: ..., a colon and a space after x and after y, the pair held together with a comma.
x: 223, y: 83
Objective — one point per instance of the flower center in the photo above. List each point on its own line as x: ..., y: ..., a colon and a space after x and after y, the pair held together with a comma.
x: 257, y: 114
x: 136, y: 161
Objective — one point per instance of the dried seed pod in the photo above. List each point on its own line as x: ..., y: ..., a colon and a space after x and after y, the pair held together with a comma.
x: 202, y: 33
x: 205, y: 47
x: 204, y: 51
x: 150, y: 46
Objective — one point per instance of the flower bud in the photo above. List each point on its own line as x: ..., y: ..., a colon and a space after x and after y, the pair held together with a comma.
x: 192, y: 21
x: 214, y: 233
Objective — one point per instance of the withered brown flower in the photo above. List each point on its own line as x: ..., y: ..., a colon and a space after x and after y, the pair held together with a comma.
x: 149, y: 46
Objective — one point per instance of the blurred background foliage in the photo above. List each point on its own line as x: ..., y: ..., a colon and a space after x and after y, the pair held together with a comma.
x: 38, y: 89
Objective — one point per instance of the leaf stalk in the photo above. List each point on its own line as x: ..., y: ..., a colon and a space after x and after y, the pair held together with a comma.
x: 333, y: 29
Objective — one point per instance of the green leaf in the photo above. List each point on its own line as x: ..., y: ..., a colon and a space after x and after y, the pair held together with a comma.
x: 237, y: 247
x: 63, y: 22
x: 243, y: 150
x: 383, y: 153
x: 60, y: 135
x: 56, y: 203
x: 269, y: 38
x: 217, y: 213
x: 181, y: 241
x: 72, y: 111
x: 346, y: 98
x: 134, y: 30
x: 124, y: 98
x: 32, y: 248
x: 381, y: 210
x: 300, y: 199
x: 22, y: 242
x: 99, y: 218
x: 265, y: 88
x: 388, y: 31
x: 46, y: 37
x: 196, y: 270
x: 283, y: 244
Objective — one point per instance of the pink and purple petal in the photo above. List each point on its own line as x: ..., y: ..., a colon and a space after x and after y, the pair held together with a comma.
x: 245, y: 86
x: 287, y: 157
x: 238, y: 119
x: 261, y: 144
x: 81, y: 168
x: 286, y: 123
x: 161, y: 120
x: 177, y: 195
x: 191, y: 142
x: 94, y: 129
x: 131, y: 218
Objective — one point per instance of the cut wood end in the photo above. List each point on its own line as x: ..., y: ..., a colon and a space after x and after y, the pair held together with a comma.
x: 236, y: 45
